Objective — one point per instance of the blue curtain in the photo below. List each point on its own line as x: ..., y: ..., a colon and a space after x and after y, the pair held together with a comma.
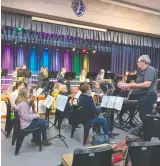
x: 54, y: 60
x: 33, y: 61
x: 124, y: 58
x: 45, y: 58
x: 20, y: 56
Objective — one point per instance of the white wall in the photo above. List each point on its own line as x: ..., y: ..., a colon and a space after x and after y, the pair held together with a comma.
x: 97, y: 12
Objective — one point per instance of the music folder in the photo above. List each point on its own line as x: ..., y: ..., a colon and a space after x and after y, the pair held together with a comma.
x: 91, y: 75
x: 52, y: 74
x: 109, y: 76
x: 70, y: 76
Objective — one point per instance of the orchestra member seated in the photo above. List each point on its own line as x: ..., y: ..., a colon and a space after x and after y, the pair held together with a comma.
x: 104, y: 84
x: 60, y: 79
x: 23, y: 79
x: 19, y: 85
x: 43, y: 80
x: 67, y: 113
x: 97, y: 89
x: 55, y: 94
x: 28, y: 119
x: 82, y: 76
x: 14, y: 80
x: 89, y: 109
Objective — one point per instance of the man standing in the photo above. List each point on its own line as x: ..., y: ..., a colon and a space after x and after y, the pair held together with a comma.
x: 145, y: 86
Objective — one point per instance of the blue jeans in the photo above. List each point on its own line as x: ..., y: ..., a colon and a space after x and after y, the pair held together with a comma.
x: 39, y: 123
x: 102, y: 122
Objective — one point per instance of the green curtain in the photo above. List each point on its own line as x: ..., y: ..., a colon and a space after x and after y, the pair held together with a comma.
x: 76, y: 63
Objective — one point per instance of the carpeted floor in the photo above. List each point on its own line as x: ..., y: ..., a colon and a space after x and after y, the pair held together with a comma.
x: 51, y: 156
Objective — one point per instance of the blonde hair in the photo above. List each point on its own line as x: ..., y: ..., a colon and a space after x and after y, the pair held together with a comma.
x: 22, y: 96
x: 57, y: 86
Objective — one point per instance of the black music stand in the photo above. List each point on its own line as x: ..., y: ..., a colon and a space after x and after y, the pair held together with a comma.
x: 131, y: 78
x: 91, y: 75
x: 109, y: 76
x: 70, y: 76
x: 4, y: 72
x: 52, y: 74
x: 119, y: 78
x: 24, y: 73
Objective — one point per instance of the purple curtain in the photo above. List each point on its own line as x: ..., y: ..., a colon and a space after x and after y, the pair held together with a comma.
x: 67, y: 61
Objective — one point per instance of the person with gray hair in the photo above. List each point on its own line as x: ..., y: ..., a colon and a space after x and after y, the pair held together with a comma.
x: 145, y: 88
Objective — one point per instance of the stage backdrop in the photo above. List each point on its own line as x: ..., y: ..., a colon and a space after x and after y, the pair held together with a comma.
x: 36, y: 55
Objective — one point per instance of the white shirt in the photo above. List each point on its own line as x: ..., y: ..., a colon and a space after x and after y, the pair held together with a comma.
x: 13, y: 98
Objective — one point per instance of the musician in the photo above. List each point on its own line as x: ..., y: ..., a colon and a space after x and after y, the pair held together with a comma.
x: 67, y: 113
x: 144, y: 88
x: 60, y: 79
x: 28, y: 119
x: 43, y: 80
x: 89, y: 109
x: 105, y: 84
x: 97, y: 89
x: 19, y: 85
x: 83, y: 76
x: 23, y: 79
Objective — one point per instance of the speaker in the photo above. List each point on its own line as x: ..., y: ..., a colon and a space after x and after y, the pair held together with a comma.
x: 151, y: 127
x: 144, y: 153
x: 100, y: 155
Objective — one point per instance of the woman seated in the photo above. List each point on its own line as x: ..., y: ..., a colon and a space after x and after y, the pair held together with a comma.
x: 82, y: 76
x: 97, y: 89
x: 28, y: 119
x: 89, y: 109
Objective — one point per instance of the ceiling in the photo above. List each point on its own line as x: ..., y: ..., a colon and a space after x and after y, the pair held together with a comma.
x: 151, y: 6
x: 154, y: 4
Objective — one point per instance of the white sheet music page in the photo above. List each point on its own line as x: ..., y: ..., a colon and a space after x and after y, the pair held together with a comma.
x: 111, y: 101
x: 158, y: 99
x: 77, y: 95
x: 92, y: 94
x: 119, y: 103
x: 48, y: 101
x: 38, y: 92
x: 61, y: 102
x: 104, y: 101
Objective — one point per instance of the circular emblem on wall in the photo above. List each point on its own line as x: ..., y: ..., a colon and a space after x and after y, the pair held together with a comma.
x: 78, y: 7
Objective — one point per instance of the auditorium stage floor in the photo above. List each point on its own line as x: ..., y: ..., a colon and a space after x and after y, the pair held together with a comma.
x: 50, y: 156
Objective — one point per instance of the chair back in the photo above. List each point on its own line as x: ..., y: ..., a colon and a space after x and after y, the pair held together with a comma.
x: 152, y: 126
x: 100, y: 155
x: 145, y: 153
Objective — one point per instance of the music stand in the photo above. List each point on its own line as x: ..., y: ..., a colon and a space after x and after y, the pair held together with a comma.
x: 4, y: 72
x: 91, y: 75
x: 24, y: 73
x: 52, y: 74
x: 119, y: 78
x: 109, y: 76
x: 70, y: 76
x: 131, y: 78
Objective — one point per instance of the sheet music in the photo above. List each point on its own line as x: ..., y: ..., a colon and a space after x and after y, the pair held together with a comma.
x: 158, y: 99
x: 104, y: 101
x: 61, y: 102
x: 48, y: 101
x: 77, y: 95
x: 111, y: 101
x: 119, y: 103
x: 92, y: 94
x: 38, y: 92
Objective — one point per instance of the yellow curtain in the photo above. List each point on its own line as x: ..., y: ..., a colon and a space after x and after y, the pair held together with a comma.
x: 86, y: 63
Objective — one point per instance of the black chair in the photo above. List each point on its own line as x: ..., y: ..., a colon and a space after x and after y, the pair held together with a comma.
x: 18, y: 134
x: 100, y: 155
x: 151, y: 127
x: 144, y: 153
x: 9, y: 121
x: 78, y: 119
